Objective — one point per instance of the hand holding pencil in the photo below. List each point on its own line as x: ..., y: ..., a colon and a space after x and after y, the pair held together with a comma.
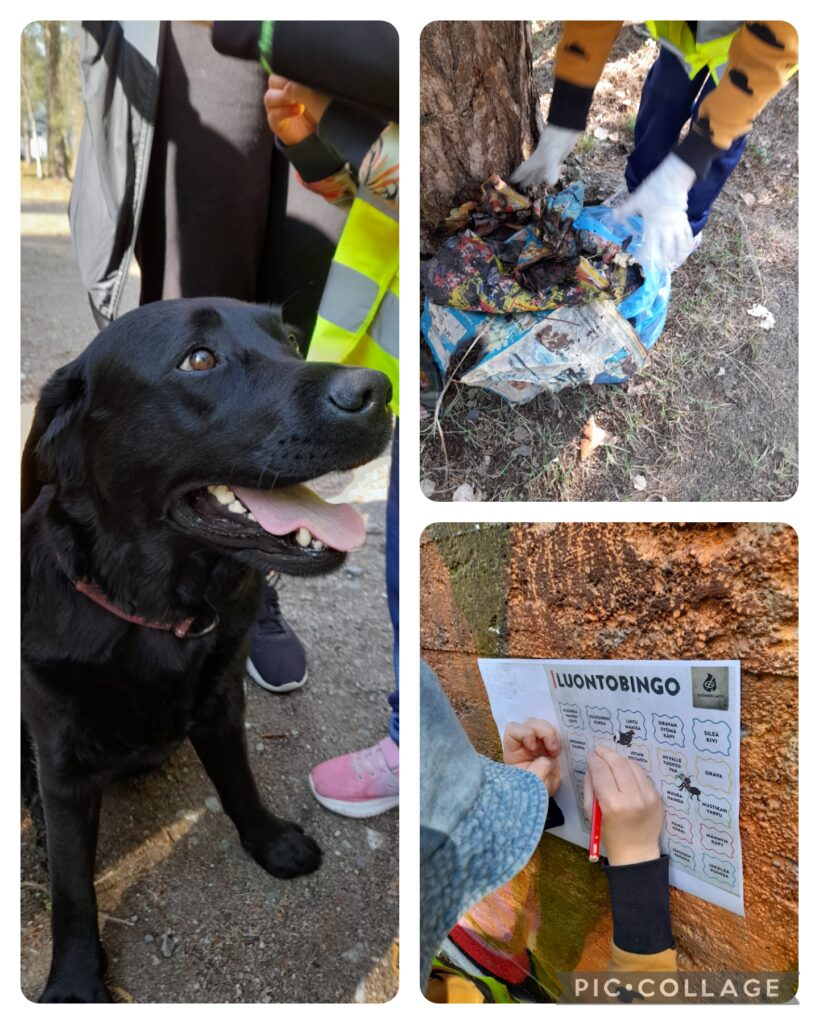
x: 631, y: 812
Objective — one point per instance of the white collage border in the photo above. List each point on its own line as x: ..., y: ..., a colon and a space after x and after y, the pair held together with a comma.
x: 801, y: 511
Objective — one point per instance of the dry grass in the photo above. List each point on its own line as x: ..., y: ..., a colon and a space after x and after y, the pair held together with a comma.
x: 42, y: 190
x: 714, y: 414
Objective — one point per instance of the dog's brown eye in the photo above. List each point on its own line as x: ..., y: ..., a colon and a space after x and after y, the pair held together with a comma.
x: 200, y: 359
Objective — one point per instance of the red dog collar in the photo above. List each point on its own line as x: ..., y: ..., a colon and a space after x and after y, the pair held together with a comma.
x: 182, y: 629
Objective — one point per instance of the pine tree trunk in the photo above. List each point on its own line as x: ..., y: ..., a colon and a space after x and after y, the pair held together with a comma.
x: 478, y: 110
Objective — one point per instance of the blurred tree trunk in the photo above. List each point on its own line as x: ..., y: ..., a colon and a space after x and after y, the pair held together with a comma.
x: 31, y: 127
x: 57, y: 148
x: 479, y: 110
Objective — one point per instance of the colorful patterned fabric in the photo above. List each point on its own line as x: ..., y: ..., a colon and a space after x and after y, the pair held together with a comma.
x: 517, y: 257
x: 379, y: 171
x: 338, y: 189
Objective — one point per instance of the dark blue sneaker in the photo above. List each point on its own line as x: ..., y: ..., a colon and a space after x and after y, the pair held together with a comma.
x: 277, y: 660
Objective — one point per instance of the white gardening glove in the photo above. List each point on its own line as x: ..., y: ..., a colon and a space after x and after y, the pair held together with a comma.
x: 662, y: 201
x: 553, y: 146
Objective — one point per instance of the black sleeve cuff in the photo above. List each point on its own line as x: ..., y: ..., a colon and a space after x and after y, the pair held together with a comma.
x: 554, y: 815
x: 237, y: 38
x: 349, y: 131
x: 570, y: 105
x: 640, y: 906
x: 698, y: 152
x: 312, y: 158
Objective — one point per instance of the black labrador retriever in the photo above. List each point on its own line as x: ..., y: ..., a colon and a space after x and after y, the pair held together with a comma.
x: 163, y: 476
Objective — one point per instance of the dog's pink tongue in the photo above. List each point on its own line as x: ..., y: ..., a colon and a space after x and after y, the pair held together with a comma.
x: 287, y: 508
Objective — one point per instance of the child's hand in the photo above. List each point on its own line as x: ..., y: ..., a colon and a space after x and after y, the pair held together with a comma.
x: 630, y: 805
x: 535, y: 746
x: 293, y: 110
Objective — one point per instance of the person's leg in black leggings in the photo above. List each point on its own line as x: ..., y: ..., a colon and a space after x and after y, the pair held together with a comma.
x: 203, y: 221
x: 223, y: 214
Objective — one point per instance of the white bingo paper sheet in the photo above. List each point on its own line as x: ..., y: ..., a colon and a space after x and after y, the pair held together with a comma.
x: 678, y: 719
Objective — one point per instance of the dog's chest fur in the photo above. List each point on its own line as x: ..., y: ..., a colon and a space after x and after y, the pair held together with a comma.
x: 136, y: 692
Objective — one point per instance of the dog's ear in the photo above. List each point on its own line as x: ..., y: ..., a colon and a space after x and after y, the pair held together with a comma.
x: 52, y: 450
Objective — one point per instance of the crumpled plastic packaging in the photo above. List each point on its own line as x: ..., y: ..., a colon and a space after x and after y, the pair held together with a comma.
x: 549, y: 288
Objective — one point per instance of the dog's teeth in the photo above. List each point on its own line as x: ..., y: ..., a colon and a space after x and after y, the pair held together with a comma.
x: 236, y: 506
x: 303, y: 536
x: 224, y: 495
x: 316, y: 544
x: 252, y: 518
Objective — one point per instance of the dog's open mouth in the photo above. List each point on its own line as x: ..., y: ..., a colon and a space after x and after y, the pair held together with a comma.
x: 292, y: 521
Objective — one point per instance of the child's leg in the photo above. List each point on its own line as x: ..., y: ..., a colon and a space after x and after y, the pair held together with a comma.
x: 702, y: 195
x: 665, y: 106
x: 670, y: 99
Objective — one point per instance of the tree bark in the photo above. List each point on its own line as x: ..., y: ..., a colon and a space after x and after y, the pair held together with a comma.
x: 57, y: 148
x: 32, y: 142
x: 479, y: 110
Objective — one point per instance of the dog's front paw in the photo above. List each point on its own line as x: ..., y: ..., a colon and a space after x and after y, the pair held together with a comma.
x: 76, y: 990
x: 283, y: 849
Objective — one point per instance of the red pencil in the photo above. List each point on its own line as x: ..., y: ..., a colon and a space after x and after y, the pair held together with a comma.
x: 594, y: 841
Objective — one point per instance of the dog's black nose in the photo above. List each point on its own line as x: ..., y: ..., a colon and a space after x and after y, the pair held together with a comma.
x: 357, y: 390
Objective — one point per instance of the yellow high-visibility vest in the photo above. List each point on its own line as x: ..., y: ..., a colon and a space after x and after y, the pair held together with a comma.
x: 710, y: 49
x: 358, y: 316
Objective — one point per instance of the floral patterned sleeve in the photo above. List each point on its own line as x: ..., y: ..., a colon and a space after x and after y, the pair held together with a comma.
x: 338, y: 188
x: 378, y: 174
x: 379, y: 171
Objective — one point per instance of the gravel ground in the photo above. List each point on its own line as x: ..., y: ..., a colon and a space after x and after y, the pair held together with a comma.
x: 56, y: 318
x: 186, y: 915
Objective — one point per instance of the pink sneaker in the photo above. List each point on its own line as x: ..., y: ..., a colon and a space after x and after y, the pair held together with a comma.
x: 359, y: 785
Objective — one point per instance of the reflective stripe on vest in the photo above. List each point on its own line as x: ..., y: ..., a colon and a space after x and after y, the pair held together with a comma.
x: 708, y: 50
x: 348, y: 297
x: 384, y: 328
x: 358, y: 316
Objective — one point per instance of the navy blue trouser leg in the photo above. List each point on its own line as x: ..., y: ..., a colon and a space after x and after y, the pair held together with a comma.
x: 668, y: 101
x: 392, y: 576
